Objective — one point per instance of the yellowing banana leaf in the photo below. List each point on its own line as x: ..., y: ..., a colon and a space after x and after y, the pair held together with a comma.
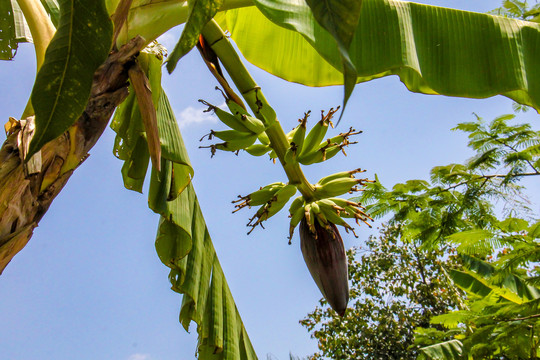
x: 433, y: 50
x: 13, y: 29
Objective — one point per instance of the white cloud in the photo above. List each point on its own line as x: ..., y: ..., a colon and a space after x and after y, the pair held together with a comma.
x: 139, y: 357
x: 191, y: 115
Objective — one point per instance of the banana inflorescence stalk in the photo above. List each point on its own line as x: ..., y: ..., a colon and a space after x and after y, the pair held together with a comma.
x: 318, y: 209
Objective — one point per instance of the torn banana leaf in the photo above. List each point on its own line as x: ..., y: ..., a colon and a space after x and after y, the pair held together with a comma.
x: 433, y: 50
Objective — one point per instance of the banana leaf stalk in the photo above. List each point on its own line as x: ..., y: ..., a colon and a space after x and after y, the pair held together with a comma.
x: 326, y: 260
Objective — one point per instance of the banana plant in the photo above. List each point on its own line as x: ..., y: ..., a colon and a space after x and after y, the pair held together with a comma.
x: 86, y: 52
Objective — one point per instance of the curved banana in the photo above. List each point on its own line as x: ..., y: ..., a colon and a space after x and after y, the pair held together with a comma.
x: 238, y: 143
x: 322, y: 154
x: 228, y: 119
x: 342, y: 174
x: 259, y: 197
x: 336, y: 187
x: 343, y: 138
x: 254, y: 125
x: 276, y: 203
x: 228, y: 135
x: 236, y: 109
x: 316, y: 135
x: 313, y: 139
x: 258, y: 149
x: 297, y: 139
x: 263, y: 138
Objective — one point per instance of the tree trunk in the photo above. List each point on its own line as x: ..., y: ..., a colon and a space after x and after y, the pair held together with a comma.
x: 27, y: 190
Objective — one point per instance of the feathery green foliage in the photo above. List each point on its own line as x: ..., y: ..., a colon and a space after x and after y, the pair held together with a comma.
x: 499, y: 273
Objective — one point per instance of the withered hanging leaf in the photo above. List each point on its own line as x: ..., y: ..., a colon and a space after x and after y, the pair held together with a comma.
x: 148, y: 112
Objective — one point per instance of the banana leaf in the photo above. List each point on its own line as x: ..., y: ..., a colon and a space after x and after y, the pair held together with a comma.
x: 13, y: 29
x: 182, y: 243
x: 446, y: 350
x: 432, y: 50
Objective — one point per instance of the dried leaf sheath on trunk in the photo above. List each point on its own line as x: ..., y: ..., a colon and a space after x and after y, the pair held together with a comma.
x: 24, y: 199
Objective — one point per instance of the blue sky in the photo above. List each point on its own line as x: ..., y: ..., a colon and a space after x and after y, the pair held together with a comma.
x: 89, y: 285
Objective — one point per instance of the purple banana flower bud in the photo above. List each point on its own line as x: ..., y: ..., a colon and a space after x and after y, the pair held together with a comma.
x: 326, y: 260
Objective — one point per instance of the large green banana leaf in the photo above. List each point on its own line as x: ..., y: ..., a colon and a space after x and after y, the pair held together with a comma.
x: 183, y: 243
x: 433, y: 50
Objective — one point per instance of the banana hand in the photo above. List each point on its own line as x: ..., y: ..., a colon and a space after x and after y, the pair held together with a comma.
x: 276, y: 203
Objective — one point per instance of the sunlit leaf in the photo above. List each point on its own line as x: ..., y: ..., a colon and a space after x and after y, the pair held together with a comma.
x: 433, y: 50
x: 340, y: 19
x: 443, y: 351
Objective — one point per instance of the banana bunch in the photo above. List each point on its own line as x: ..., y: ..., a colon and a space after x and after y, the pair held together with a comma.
x: 272, y: 198
x: 327, y: 209
x: 320, y: 241
x: 244, y: 131
x: 312, y: 148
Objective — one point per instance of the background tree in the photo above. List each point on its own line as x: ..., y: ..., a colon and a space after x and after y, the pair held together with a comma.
x: 497, y: 257
x: 395, y: 288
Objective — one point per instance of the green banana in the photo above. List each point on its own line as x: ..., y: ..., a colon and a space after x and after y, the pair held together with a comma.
x: 313, y: 139
x: 320, y: 155
x: 259, y: 197
x: 290, y: 156
x: 297, y: 204
x: 228, y: 135
x: 238, y: 143
x: 296, y: 213
x: 258, y: 149
x: 343, y: 174
x: 236, y: 110
x: 276, y: 203
x: 228, y: 119
x: 309, y: 216
x: 273, y: 156
x: 264, y: 139
x: 343, y: 138
x: 290, y: 134
x: 329, y: 210
x: 254, y: 125
x: 336, y: 187
x: 350, y: 209
x: 297, y: 139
